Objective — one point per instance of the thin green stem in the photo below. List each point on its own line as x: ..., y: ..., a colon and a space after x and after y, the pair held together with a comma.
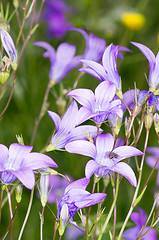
x: 27, y: 214
x: 41, y: 223
x: 137, y: 189
x: 111, y: 209
x: 11, y: 212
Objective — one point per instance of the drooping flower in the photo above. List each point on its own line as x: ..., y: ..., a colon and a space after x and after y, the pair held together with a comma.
x: 95, y: 46
x: 67, y: 129
x: 153, y: 65
x: 18, y: 162
x: 76, y: 197
x: 139, y: 218
x: 55, y: 17
x: 151, y: 160
x: 105, y: 158
x: 62, y: 61
x: 99, y: 105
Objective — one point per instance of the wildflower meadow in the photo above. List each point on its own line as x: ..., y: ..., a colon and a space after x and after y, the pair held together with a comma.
x: 79, y: 120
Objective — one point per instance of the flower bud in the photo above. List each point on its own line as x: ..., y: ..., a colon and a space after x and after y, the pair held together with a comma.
x: 136, y: 110
x: 18, y: 193
x: 61, y: 104
x: 64, y: 215
x: 3, y: 77
x: 156, y: 122
x: 44, y: 186
x: 127, y: 126
x: 148, y: 120
x: 20, y: 139
x: 16, y: 3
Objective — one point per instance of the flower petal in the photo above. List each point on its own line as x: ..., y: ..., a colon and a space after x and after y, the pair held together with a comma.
x: 98, y: 68
x: 104, y: 143
x: 84, y: 96
x: 104, y: 93
x: 84, y: 114
x: 17, y: 152
x: 91, y: 167
x: 26, y: 176
x: 124, y: 152
x: 56, y: 118
x: 90, y: 200
x: 125, y: 170
x: 81, y: 147
x: 69, y: 120
x: 79, y: 184
x: 4, y: 154
x: 38, y: 160
x: 51, y: 54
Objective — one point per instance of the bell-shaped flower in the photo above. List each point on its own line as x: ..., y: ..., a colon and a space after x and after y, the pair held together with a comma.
x: 67, y: 130
x: 153, y: 65
x: 139, y: 218
x: 151, y: 160
x: 18, y: 162
x: 105, y: 158
x: 62, y: 61
x: 99, y: 105
x: 107, y: 71
x: 76, y: 197
x: 95, y: 46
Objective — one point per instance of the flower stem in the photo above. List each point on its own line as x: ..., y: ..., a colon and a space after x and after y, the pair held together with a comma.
x: 136, y: 191
x: 27, y: 214
x: 41, y: 223
x: 11, y: 212
x: 111, y: 209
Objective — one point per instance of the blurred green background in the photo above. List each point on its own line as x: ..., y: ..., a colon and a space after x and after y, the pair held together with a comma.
x: 103, y: 18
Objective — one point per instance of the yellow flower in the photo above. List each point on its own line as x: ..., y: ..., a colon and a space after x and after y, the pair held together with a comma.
x: 133, y: 21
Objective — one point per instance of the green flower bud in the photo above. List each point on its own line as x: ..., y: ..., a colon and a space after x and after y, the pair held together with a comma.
x: 16, y: 3
x: 18, y: 194
x: 3, y: 77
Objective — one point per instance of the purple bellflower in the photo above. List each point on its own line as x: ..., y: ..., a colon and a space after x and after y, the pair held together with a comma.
x: 139, y: 218
x: 151, y: 160
x: 153, y: 64
x: 105, y: 158
x: 18, y: 162
x: 99, y: 105
x: 67, y: 130
x: 76, y: 197
x: 55, y: 17
x: 107, y: 71
x: 62, y: 61
x: 58, y: 185
x: 94, y: 46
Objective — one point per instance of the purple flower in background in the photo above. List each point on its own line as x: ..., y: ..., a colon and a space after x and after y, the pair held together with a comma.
x: 153, y: 64
x: 151, y: 160
x: 55, y: 17
x: 139, y: 218
x: 107, y: 71
x: 18, y: 162
x: 76, y: 197
x: 57, y: 185
x: 67, y: 130
x: 94, y: 46
x: 99, y: 105
x: 105, y: 158
x: 62, y: 61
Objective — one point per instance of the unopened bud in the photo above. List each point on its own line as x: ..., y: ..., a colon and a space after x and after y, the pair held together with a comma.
x: 16, y: 3
x: 20, y: 139
x: 64, y: 215
x: 156, y: 122
x: 127, y: 126
x: 18, y: 194
x: 61, y: 104
x: 44, y: 186
x: 148, y: 121
x: 3, y: 77
x: 136, y: 110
